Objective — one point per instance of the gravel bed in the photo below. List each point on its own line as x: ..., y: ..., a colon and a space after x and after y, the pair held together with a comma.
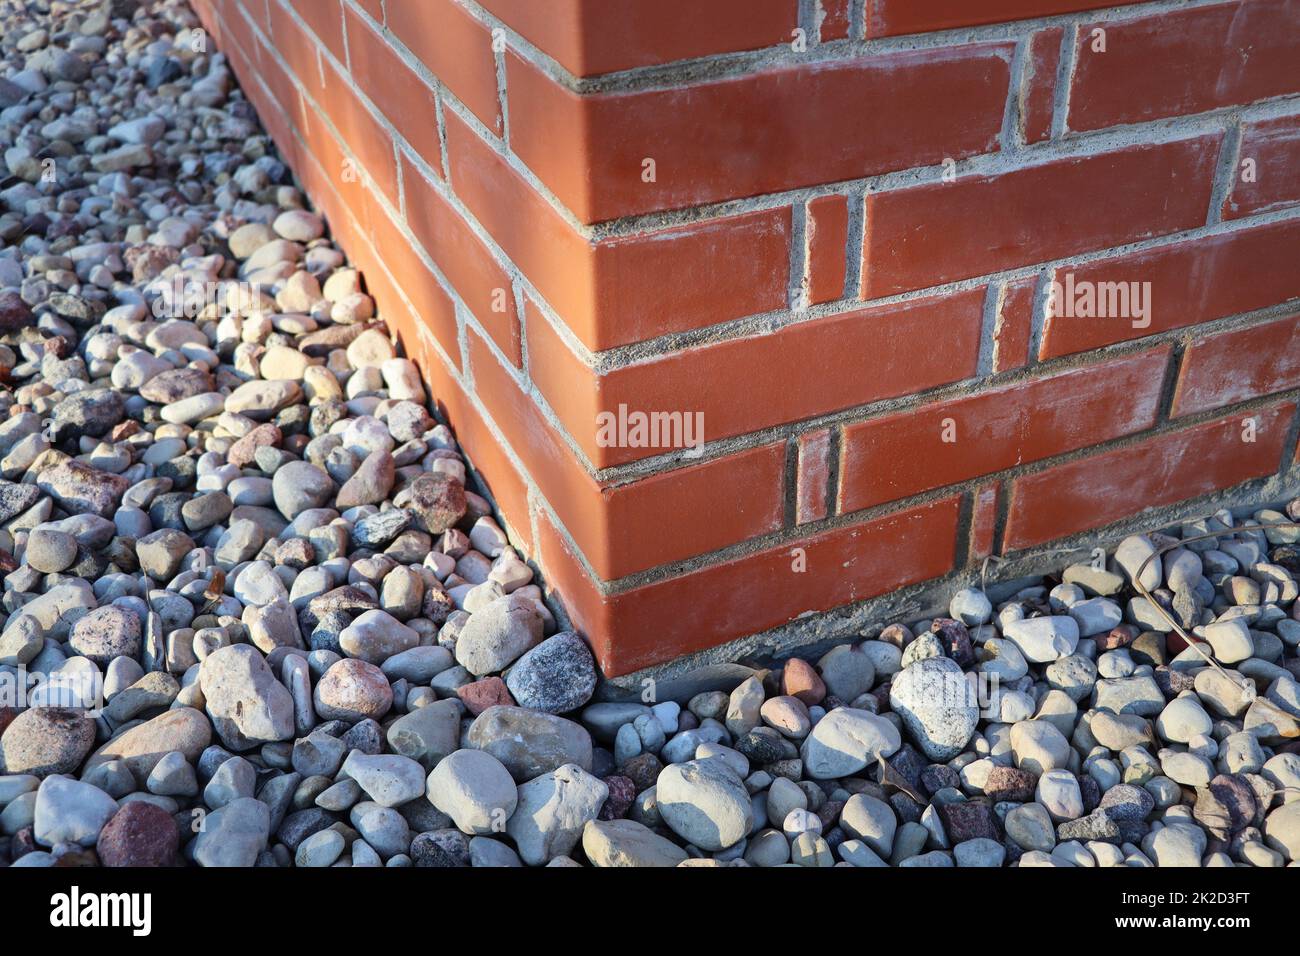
x: 253, y: 617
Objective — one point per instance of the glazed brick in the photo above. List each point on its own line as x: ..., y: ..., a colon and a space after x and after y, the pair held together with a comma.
x: 1038, y: 104
x: 471, y: 269
x: 325, y: 19
x: 456, y: 47
x: 814, y: 469
x: 632, y: 288
x: 899, y: 17
x: 900, y: 455
x: 941, y: 232
x: 1193, y: 281
x: 756, y: 592
x: 835, y: 23
x: 395, y: 89
x: 1235, y: 366
x: 1273, y: 146
x: 620, y: 529
x: 827, y: 233
x: 742, y: 385
x: 1014, y: 326
x: 984, y: 520
x: 1096, y: 491
x: 604, y: 37
x: 1180, y: 62
x: 712, y: 141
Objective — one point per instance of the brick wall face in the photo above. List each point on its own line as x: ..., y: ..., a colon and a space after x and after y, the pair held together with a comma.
x: 833, y: 230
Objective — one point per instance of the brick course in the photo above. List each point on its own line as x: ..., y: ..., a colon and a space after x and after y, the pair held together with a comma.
x: 831, y: 229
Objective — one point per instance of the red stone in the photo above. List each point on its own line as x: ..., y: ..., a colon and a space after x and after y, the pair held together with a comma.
x: 485, y: 693
x: 241, y: 452
x: 139, y: 834
x: 800, y: 680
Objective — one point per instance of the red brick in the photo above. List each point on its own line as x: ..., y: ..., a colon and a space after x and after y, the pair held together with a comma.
x: 984, y: 520
x: 1014, y: 326
x: 827, y: 238
x: 743, y: 385
x: 942, y: 443
x: 690, y: 511
x: 898, y: 17
x: 1273, y: 147
x: 324, y: 164
x: 814, y: 470
x: 1096, y: 491
x: 395, y: 89
x: 433, y: 306
x: 325, y: 19
x: 363, y: 135
x: 456, y: 47
x: 940, y: 232
x: 628, y: 289
x: 620, y: 528
x: 1038, y: 102
x: 590, y: 38
x: 1193, y: 281
x: 296, y: 47
x: 1232, y: 367
x: 256, y: 10
x: 721, y: 139
x: 835, y: 15
x: 473, y: 271
x: 274, y: 72
x: 752, y: 593
x: 1186, y: 61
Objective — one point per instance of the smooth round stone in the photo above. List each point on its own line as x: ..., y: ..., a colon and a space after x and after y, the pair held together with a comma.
x: 970, y: 606
x: 300, y: 486
x: 388, y: 779
x: 138, y: 835
x: 1037, y: 746
x: 846, y: 741
x: 46, y: 740
x: 193, y: 409
x: 1044, y: 639
x: 320, y: 849
x: 870, y: 820
x: 980, y: 852
x: 705, y: 803
x: 1058, y: 791
x: 937, y: 706
x: 1182, y: 719
x: 50, y: 552
x: 556, y: 676
x: 375, y: 636
x: 352, y: 690
x: 248, y: 706
x: 70, y: 811
x: 106, y: 633
x: 475, y: 790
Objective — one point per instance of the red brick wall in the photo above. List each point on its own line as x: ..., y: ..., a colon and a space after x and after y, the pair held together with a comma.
x: 842, y: 260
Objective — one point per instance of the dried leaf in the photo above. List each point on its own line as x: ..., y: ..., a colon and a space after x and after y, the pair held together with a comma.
x: 889, y: 777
